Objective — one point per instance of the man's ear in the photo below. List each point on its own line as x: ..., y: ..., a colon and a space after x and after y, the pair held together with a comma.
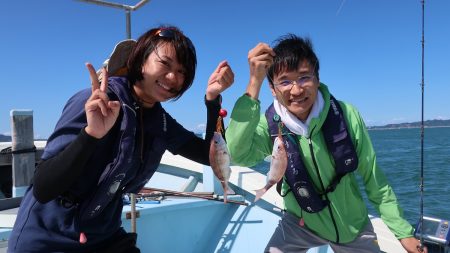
x: 272, y: 90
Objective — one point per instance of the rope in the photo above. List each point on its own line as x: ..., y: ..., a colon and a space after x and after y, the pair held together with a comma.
x: 9, y: 150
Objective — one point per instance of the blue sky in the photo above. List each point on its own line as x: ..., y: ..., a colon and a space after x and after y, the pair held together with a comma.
x: 369, y: 51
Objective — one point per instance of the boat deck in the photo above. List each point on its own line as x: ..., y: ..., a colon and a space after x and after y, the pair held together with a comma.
x: 249, y: 180
x: 208, y: 225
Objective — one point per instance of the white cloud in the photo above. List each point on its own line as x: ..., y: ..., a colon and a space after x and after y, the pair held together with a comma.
x: 374, y: 122
x: 200, y: 128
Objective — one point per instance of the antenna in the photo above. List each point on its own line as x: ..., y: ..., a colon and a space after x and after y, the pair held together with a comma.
x: 422, y: 85
x: 127, y: 8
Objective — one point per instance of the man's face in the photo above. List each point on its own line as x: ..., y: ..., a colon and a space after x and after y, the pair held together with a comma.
x: 297, y: 90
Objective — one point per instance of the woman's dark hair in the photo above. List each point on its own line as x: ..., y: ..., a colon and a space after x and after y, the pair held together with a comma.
x: 149, y: 41
x: 290, y: 51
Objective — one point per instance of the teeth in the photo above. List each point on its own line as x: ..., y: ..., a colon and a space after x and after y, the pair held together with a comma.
x: 163, y: 86
x: 298, y: 100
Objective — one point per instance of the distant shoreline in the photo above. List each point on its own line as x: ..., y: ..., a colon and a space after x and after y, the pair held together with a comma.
x: 427, y: 124
x: 393, y: 128
x: 435, y: 123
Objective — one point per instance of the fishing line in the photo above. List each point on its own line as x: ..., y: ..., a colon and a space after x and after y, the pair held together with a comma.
x: 340, y: 8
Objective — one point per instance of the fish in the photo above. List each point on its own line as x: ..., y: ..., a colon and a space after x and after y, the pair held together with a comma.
x: 277, y: 169
x: 219, y: 159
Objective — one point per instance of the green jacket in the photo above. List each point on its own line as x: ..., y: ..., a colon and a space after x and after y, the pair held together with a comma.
x: 249, y: 143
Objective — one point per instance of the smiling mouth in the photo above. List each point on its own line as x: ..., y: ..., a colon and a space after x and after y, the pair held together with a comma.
x: 167, y: 88
x: 298, y: 100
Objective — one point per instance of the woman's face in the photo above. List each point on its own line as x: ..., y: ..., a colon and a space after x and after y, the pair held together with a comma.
x: 163, y: 76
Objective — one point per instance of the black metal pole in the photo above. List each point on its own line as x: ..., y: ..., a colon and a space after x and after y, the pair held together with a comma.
x: 128, y: 23
x: 422, y: 132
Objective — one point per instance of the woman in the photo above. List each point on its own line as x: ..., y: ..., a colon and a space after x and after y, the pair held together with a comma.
x: 109, y: 141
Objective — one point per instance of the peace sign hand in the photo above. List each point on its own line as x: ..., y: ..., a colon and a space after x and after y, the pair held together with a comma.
x: 101, y: 113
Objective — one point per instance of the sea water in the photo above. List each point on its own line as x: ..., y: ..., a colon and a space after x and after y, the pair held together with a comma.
x: 398, y: 155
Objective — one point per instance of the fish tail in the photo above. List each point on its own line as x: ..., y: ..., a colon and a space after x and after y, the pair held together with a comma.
x: 230, y: 191
x: 226, y: 191
x: 259, y: 193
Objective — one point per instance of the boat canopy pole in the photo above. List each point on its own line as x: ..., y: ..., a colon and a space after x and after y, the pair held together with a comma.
x: 128, y: 9
x: 422, y: 85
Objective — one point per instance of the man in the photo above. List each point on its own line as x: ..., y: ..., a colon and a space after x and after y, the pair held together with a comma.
x: 326, y: 141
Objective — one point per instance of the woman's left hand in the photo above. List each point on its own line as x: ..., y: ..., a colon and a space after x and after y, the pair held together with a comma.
x: 220, y: 80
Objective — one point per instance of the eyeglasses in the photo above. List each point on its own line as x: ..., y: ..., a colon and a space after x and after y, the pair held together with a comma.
x: 301, y: 81
x: 170, y: 32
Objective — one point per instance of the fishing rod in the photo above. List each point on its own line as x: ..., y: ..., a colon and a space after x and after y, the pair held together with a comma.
x: 422, y: 85
x: 147, y: 191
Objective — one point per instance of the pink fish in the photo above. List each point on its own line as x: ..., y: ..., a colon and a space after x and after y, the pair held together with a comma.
x: 278, y: 166
x: 219, y: 158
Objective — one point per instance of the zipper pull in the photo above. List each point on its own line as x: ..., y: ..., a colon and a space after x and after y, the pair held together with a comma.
x: 136, y: 106
x: 301, y: 222
x: 83, y: 238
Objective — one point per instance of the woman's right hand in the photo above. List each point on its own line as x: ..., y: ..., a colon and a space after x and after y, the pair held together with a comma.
x: 101, y: 113
x: 260, y: 58
x: 220, y: 80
